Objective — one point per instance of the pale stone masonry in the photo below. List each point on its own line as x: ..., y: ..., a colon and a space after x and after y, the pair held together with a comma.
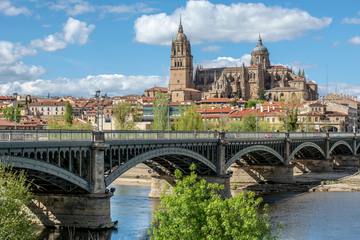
x: 260, y: 79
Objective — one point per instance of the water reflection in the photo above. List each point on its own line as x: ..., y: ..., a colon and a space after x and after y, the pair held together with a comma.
x: 332, y: 215
x: 303, y: 216
x: 130, y: 206
x: 133, y: 209
x: 74, y: 234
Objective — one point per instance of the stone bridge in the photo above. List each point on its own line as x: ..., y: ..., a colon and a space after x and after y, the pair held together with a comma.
x: 71, y: 171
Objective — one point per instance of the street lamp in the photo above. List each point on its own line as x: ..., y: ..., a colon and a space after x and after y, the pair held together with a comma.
x: 97, y: 96
x: 15, y: 109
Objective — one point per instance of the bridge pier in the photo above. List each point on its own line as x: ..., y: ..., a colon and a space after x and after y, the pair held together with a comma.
x: 258, y: 174
x: 161, y: 184
x: 347, y: 162
x: 76, y: 210
x: 312, y: 165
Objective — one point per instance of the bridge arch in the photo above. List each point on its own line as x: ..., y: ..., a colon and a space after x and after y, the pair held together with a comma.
x: 161, y: 152
x: 358, y: 149
x: 257, y: 148
x: 306, y: 145
x: 47, y: 168
x: 345, y: 147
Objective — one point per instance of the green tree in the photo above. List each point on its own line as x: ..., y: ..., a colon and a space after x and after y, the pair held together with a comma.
x: 252, y: 102
x: 189, y: 119
x: 68, y: 115
x: 9, y: 113
x: 15, y: 222
x: 249, y: 123
x: 291, y: 120
x: 195, y: 210
x: 161, y: 112
x: 123, y: 114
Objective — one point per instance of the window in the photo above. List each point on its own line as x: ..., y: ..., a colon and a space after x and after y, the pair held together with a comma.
x: 178, y: 81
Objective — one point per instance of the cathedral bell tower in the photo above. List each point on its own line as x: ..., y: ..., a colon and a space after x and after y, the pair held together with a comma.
x: 260, y: 55
x: 181, y: 66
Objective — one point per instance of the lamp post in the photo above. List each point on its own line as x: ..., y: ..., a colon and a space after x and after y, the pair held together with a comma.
x: 15, y: 109
x: 97, y: 96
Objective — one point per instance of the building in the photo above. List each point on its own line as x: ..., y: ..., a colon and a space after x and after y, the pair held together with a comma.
x: 47, y: 108
x: 259, y: 80
x: 151, y: 92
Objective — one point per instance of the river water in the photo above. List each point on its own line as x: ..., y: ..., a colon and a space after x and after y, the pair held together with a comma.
x: 306, y: 216
x: 302, y: 217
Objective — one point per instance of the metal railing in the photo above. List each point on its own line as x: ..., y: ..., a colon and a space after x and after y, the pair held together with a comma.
x: 78, y: 135
x: 342, y: 135
x: 44, y: 135
x: 258, y: 135
x: 159, y: 135
x: 307, y: 135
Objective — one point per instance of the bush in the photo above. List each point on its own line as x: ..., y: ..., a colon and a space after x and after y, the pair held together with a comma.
x: 195, y: 210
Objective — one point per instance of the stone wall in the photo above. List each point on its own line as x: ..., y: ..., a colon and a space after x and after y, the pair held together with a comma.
x: 81, y: 211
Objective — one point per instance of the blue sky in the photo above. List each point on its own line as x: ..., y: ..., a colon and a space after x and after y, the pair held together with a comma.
x: 121, y: 47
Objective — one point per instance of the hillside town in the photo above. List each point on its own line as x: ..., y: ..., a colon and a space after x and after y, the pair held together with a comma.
x: 334, y: 112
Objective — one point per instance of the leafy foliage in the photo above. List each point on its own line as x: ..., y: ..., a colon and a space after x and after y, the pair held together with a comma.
x: 9, y: 113
x: 123, y: 114
x: 252, y: 103
x: 68, y: 116
x: 14, y: 195
x: 161, y: 112
x: 249, y: 124
x: 189, y: 119
x: 195, y: 210
x: 291, y: 120
x: 56, y: 123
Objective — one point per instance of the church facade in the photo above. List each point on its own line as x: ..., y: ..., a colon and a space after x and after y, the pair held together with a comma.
x: 259, y: 80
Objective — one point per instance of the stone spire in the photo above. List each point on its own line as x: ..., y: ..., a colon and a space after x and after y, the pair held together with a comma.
x: 180, y: 30
x: 260, y: 43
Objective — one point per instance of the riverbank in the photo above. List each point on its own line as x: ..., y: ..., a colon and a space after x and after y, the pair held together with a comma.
x: 346, y: 184
x: 136, y: 176
x: 333, y: 181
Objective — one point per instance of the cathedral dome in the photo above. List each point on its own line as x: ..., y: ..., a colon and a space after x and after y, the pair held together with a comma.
x: 259, y: 46
x: 181, y: 36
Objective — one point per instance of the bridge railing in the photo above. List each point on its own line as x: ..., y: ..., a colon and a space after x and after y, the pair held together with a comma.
x: 159, y: 135
x: 256, y: 135
x: 44, y: 135
x: 342, y: 135
x: 293, y: 135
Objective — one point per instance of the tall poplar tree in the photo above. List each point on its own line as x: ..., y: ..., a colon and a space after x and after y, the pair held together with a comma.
x: 161, y: 112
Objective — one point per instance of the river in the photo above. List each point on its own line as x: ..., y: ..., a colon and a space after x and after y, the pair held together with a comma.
x: 332, y: 215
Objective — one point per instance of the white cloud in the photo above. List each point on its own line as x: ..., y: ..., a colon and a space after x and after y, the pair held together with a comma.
x: 74, y: 31
x: 11, y: 52
x: 72, y: 7
x: 52, y: 42
x: 351, y: 20
x: 112, y: 84
x: 341, y: 88
x: 78, y: 7
x: 20, y: 72
x: 355, y: 40
x: 121, y: 9
x: 8, y: 9
x: 227, y: 62
x: 238, y: 22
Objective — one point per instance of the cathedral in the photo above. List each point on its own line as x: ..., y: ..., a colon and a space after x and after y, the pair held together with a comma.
x: 259, y: 80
